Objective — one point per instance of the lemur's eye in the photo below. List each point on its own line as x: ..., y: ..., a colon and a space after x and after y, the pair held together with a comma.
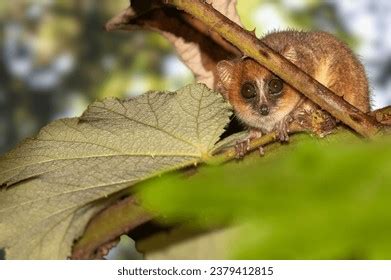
x: 248, y: 90
x: 275, y: 86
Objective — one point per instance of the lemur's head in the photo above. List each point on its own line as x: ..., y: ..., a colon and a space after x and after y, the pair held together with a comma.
x: 259, y: 98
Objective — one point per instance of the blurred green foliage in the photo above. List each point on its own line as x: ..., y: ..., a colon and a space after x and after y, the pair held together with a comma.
x: 268, y: 15
x: 311, y: 199
x: 101, y: 64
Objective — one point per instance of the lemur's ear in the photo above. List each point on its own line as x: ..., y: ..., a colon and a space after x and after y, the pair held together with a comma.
x: 225, y: 76
x: 290, y: 53
x: 225, y: 72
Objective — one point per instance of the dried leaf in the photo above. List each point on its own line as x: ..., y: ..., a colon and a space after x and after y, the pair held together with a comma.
x: 197, y: 46
x: 227, y: 8
x: 52, y: 180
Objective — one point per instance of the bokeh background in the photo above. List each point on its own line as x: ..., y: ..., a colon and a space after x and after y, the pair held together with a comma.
x: 56, y: 58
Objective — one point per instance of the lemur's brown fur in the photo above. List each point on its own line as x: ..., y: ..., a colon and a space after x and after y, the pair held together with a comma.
x: 320, y: 54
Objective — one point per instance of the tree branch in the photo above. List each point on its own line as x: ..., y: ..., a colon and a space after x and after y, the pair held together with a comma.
x: 106, y: 227
x: 245, y: 41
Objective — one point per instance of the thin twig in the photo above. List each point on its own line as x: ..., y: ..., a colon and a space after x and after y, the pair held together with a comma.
x: 231, y: 153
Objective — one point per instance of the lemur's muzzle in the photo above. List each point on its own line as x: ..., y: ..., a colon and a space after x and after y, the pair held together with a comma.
x: 264, y: 110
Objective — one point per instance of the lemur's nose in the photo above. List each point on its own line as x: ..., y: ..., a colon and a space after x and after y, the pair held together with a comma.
x: 264, y: 109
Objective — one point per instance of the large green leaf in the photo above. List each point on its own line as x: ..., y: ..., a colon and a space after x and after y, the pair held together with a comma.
x: 52, y: 180
x: 311, y: 199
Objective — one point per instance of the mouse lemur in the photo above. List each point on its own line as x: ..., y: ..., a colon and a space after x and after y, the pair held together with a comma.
x: 265, y: 103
